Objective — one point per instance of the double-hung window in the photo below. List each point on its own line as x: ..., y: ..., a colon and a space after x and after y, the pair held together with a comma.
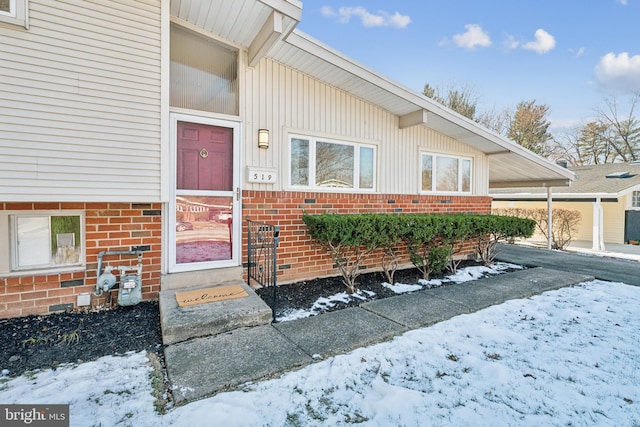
x: 635, y: 199
x: 14, y: 12
x: 320, y: 163
x: 445, y: 174
x: 46, y: 240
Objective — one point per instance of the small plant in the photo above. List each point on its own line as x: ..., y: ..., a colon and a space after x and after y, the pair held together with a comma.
x: 30, y: 341
x: 565, y: 223
x: 492, y: 356
x: 452, y: 357
x: 72, y: 337
x: 349, y: 239
x: 32, y: 375
x: 47, y: 339
x: 489, y: 230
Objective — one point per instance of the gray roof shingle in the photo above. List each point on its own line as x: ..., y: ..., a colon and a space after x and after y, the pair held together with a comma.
x: 589, y: 180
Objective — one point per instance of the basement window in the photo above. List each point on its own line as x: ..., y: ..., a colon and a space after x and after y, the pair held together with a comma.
x: 46, y: 240
x: 14, y: 12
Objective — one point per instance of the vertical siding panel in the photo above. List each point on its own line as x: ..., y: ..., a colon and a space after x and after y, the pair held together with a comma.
x: 290, y: 100
x: 614, y: 230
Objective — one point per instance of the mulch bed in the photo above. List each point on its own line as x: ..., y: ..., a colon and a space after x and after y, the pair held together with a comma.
x: 303, y: 294
x: 40, y: 342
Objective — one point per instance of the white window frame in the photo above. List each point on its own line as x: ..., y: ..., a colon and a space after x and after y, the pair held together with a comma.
x: 312, y: 164
x: 632, y: 205
x: 17, y: 14
x: 434, y: 175
x: 15, y: 267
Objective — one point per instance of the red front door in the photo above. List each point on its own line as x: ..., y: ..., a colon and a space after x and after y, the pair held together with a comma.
x: 204, y: 193
x: 205, y: 157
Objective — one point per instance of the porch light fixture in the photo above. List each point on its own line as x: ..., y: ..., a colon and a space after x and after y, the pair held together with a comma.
x: 263, y: 138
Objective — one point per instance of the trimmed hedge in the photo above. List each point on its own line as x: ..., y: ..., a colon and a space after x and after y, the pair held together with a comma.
x: 431, y: 240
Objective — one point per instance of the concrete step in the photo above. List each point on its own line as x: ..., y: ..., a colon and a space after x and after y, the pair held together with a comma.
x: 213, y: 318
x: 202, y: 367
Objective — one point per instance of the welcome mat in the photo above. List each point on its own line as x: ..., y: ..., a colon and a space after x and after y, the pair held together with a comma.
x: 215, y: 294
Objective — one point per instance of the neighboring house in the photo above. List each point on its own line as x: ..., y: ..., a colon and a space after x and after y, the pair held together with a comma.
x: 164, y: 124
x: 607, y: 197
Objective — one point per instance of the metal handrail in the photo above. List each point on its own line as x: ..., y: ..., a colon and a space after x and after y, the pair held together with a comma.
x: 262, y: 241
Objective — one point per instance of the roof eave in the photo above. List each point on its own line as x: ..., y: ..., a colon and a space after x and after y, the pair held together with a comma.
x: 425, y: 111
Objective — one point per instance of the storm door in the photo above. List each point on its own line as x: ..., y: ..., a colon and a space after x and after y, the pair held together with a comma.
x: 205, y: 204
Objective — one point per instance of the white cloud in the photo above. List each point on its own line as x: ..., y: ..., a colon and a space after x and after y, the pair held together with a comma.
x: 510, y: 42
x: 474, y: 37
x: 577, y: 52
x: 623, y: 2
x: 368, y: 19
x: 620, y: 72
x: 543, y: 43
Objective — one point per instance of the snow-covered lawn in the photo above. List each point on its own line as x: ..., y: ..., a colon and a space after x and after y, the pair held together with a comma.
x: 566, y: 357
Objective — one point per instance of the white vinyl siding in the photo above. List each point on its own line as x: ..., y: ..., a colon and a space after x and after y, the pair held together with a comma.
x: 614, y: 217
x: 80, y: 103
x: 286, y: 101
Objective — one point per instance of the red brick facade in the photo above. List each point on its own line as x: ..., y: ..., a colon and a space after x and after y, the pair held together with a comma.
x: 108, y: 226
x: 299, y: 258
x: 120, y: 226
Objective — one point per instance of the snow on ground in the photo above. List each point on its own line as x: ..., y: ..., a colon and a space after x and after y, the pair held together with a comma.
x: 462, y: 275
x: 566, y: 357
x: 324, y: 303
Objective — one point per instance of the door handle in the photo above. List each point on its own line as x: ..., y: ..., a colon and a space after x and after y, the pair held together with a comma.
x: 238, y: 193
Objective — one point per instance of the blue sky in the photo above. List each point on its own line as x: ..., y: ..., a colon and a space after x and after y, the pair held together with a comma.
x: 568, y: 54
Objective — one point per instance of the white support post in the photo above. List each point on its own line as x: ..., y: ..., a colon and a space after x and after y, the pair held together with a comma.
x: 602, y: 248
x: 549, y: 219
x: 598, y: 226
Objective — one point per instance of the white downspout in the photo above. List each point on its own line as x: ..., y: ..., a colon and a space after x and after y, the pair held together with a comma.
x: 549, y: 219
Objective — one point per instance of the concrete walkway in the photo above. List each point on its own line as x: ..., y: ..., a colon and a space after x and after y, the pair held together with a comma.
x: 201, y: 367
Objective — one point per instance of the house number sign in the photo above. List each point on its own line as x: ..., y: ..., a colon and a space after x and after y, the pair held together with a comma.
x: 262, y: 175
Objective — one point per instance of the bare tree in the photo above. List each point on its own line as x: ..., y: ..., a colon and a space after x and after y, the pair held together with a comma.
x: 497, y: 121
x: 624, y: 135
x: 594, y: 144
x: 463, y: 100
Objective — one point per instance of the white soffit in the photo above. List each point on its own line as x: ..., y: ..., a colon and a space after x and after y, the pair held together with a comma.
x: 256, y: 25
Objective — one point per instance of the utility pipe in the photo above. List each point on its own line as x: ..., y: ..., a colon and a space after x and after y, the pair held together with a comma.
x: 102, y: 253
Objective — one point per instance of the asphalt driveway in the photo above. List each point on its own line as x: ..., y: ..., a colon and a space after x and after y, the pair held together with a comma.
x: 601, y: 267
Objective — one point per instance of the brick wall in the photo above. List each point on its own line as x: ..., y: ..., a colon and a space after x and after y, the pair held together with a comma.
x: 299, y: 258
x: 108, y: 226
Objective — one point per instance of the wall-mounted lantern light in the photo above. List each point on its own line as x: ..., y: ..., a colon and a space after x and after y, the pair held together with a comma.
x: 263, y: 138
